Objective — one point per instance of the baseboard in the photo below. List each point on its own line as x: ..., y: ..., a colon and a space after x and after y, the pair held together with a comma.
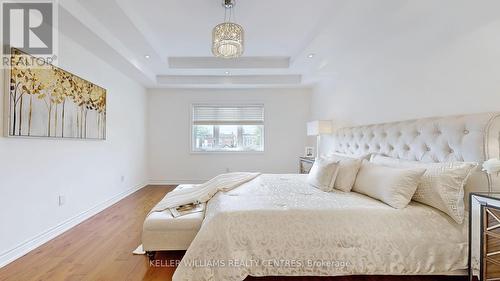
x: 175, y: 182
x: 40, y: 239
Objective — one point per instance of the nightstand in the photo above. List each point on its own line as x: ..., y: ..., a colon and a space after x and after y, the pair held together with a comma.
x: 305, y: 164
x: 484, y: 236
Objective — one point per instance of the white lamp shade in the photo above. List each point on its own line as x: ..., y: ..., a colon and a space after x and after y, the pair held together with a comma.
x: 492, y: 166
x: 319, y: 127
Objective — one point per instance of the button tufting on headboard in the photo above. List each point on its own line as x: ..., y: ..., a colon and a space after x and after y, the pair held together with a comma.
x: 439, y: 136
x: 471, y: 138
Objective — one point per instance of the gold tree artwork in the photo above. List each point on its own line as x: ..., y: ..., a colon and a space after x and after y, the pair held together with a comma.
x: 46, y: 101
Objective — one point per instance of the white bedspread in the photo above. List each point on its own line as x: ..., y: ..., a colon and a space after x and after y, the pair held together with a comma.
x: 279, y: 225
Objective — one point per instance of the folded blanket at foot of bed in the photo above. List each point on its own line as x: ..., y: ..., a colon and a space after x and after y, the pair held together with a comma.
x: 201, y: 193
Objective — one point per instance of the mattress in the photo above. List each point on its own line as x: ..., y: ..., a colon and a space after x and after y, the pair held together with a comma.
x: 280, y: 225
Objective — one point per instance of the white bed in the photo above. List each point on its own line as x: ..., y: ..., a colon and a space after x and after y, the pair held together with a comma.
x: 281, y: 217
x: 279, y: 225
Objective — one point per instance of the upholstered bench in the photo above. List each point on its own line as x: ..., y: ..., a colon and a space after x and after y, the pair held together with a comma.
x: 162, y: 232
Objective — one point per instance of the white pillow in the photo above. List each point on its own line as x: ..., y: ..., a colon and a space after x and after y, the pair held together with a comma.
x: 442, y: 185
x: 323, y: 173
x: 392, y: 186
x: 360, y: 157
x: 348, y: 169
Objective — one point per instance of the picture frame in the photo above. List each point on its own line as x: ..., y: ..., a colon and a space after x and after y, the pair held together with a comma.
x: 309, y: 151
x: 45, y: 101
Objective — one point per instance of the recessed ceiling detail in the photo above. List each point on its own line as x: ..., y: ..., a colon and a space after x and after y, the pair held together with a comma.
x: 242, y: 62
x: 233, y: 79
x: 336, y: 31
x: 136, y: 31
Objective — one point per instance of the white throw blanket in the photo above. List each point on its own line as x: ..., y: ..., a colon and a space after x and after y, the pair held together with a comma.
x: 203, y: 192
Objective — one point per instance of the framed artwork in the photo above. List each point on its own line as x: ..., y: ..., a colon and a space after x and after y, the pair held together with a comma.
x: 309, y: 151
x: 45, y: 101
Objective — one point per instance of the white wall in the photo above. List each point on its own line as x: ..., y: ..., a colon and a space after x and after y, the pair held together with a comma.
x: 34, y: 172
x: 170, y: 157
x: 437, y: 67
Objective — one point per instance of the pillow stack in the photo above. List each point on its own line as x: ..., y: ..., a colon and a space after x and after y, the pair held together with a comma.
x: 343, y: 172
x: 441, y: 186
x: 323, y: 174
x: 348, y: 169
x: 395, y: 181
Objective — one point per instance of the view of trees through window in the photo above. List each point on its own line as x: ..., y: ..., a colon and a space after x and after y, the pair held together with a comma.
x: 228, y: 138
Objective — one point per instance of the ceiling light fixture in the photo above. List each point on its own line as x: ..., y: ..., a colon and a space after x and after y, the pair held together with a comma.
x: 227, y: 37
x: 227, y: 72
x: 311, y: 55
x: 147, y: 56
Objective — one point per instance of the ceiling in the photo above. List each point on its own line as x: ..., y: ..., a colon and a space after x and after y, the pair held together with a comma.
x: 279, y: 36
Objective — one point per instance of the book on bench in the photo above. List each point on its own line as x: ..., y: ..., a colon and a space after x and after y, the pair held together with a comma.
x: 187, y: 209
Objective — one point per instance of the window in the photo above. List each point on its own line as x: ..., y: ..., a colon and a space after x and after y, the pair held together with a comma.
x: 228, y: 128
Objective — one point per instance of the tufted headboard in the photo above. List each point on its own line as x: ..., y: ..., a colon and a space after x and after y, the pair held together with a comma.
x: 469, y: 138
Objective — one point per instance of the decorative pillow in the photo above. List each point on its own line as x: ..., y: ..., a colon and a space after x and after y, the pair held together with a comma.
x: 323, y: 173
x: 442, y: 185
x: 348, y: 169
x: 393, y: 186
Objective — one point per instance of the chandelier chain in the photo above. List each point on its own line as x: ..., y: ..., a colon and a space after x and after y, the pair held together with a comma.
x: 232, y: 14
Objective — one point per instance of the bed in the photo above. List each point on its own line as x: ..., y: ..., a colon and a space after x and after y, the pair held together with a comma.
x: 280, y: 225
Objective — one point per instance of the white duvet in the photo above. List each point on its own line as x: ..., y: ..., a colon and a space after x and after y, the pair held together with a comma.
x: 279, y: 225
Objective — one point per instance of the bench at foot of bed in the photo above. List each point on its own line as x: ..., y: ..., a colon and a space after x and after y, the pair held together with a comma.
x: 162, y: 232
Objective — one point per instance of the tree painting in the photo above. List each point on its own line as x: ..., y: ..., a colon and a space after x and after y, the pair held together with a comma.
x: 46, y: 101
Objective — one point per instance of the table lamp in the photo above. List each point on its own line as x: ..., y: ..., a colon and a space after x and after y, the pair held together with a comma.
x: 318, y: 128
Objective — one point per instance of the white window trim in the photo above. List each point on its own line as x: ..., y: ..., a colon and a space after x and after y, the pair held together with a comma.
x: 264, y: 137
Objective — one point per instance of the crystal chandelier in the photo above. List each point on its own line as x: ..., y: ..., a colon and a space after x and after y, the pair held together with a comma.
x: 227, y: 37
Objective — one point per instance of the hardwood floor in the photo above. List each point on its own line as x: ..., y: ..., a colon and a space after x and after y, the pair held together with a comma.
x: 100, y: 249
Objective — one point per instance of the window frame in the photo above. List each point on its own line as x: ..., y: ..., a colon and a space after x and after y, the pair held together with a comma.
x: 191, y: 130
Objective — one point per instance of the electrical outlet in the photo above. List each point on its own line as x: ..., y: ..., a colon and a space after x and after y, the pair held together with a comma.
x: 227, y: 170
x: 61, y: 200
x: 122, y: 178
